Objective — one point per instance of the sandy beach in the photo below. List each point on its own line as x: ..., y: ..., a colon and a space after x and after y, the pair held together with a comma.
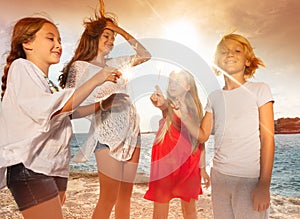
x: 83, y: 191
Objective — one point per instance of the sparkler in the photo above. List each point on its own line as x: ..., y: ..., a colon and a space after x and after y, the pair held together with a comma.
x: 126, y: 70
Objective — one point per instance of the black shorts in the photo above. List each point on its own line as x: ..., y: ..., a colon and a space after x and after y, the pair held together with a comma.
x: 29, y: 188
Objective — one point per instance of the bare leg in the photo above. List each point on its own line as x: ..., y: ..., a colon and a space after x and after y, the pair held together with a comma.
x: 109, y: 189
x: 47, y: 210
x: 62, y: 197
x: 160, y: 210
x: 109, y: 171
x: 122, y: 208
x: 189, y: 209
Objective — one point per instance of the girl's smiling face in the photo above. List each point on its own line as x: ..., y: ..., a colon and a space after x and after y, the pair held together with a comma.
x: 45, y: 48
x: 106, y: 41
x: 178, y: 85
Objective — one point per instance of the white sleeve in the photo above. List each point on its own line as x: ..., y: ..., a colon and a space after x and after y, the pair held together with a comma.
x: 80, y: 72
x: 264, y: 95
x: 32, y: 93
x: 208, y: 107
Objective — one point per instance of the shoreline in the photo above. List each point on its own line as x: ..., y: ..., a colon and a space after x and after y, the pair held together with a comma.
x: 83, y: 190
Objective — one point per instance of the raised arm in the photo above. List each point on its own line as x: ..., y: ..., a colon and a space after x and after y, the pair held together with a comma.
x: 201, y: 133
x: 159, y: 101
x: 142, y: 54
x: 82, y: 92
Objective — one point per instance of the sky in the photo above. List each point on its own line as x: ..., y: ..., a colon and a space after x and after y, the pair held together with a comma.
x: 180, y: 33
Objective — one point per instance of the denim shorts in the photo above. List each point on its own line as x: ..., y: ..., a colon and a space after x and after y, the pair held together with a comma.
x: 101, y: 146
x: 29, y: 188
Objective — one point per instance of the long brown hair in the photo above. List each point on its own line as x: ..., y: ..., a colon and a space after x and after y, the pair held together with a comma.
x: 24, y: 31
x: 88, y: 45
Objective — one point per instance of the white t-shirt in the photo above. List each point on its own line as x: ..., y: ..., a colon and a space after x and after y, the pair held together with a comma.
x: 118, y: 128
x: 236, y: 128
x: 28, y: 134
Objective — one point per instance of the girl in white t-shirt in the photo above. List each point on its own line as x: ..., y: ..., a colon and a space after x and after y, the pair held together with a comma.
x: 241, y: 114
x: 35, y: 126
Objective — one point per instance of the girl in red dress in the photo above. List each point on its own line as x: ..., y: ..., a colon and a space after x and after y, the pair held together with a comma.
x: 178, y: 160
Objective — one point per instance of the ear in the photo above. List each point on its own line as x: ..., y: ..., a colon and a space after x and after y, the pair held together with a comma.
x: 27, y: 45
x: 248, y: 63
x: 188, y: 87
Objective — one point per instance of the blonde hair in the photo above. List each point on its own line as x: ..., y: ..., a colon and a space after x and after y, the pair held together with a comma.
x: 193, y: 104
x: 249, y: 52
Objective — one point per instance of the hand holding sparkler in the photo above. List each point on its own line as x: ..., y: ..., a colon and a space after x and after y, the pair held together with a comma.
x: 180, y: 108
x: 110, y: 74
x: 158, y: 99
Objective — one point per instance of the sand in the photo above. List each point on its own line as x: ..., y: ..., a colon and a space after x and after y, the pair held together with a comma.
x: 83, y: 191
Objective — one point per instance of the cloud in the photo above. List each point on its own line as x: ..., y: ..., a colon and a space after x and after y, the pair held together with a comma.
x: 272, y: 27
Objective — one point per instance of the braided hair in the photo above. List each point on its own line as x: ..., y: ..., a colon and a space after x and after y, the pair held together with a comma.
x: 23, y: 31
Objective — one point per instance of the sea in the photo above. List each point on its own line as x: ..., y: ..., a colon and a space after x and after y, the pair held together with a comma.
x: 286, y: 170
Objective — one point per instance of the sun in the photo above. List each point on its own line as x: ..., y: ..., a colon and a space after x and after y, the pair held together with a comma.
x: 182, y: 31
x: 186, y: 32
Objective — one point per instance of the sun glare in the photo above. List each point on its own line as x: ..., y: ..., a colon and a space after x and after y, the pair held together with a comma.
x: 185, y: 32
x: 182, y: 31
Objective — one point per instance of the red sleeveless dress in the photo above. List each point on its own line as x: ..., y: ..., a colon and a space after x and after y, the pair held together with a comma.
x: 174, y: 171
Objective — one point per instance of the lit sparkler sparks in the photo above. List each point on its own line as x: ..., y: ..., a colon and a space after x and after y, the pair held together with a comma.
x: 126, y: 70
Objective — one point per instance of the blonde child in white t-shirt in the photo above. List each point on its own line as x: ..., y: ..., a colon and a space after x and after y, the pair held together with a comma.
x: 241, y: 114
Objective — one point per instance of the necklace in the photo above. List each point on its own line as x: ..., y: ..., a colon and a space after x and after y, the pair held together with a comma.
x: 53, y: 88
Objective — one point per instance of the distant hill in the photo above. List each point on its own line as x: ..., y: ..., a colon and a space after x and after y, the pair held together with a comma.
x: 282, y: 126
x: 287, y: 126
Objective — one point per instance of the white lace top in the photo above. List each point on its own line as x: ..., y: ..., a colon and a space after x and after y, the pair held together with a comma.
x: 118, y: 128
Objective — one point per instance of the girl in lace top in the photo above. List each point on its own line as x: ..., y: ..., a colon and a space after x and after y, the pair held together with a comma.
x: 114, y: 134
